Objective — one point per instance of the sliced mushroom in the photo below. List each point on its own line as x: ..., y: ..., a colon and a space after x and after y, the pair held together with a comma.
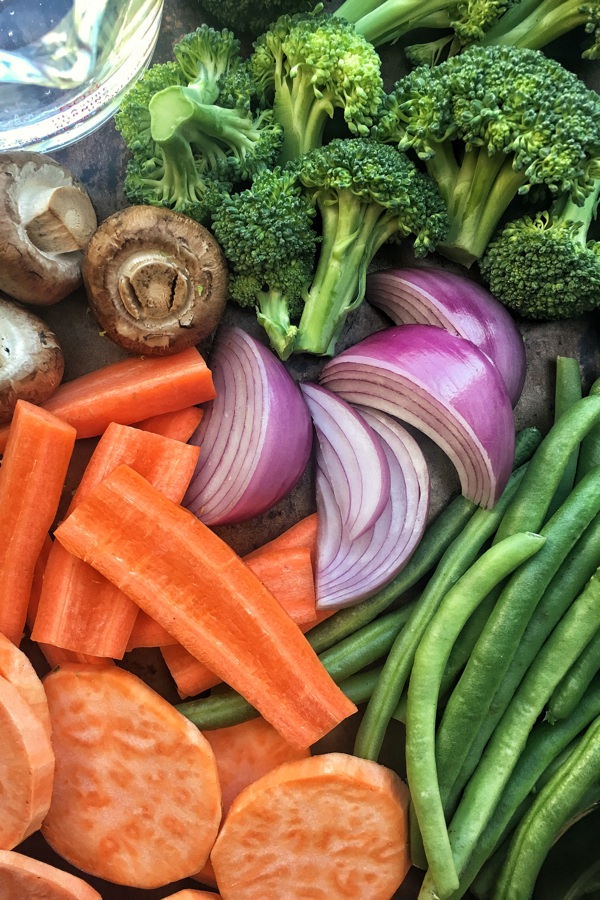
x: 156, y: 280
x: 46, y: 220
x: 31, y: 360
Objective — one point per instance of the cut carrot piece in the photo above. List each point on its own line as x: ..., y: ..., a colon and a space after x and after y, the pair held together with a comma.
x: 136, y: 796
x: 123, y: 390
x: 54, y: 656
x: 26, y: 768
x: 146, y: 632
x: 331, y: 826
x: 301, y: 534
x: 178, y: 425
x: 188, y: 579
x: 288, y: 574
x: 79, y: 609
x: 191, y: 894
x: 32, y: 478
x: 23, y: 877
x: 16, y: 668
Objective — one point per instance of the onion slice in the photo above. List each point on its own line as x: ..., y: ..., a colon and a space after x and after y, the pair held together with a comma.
x: 443, y: 385
x: 256, y: 435
x: 349, y: 570
x: 354, y: 458
x: 434, y: 296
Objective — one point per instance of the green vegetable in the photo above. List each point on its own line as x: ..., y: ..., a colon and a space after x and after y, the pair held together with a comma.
x: 252, y: 16
x: 428, y: 667
x: 568, y: 390
x: 589, y: 451
x: 309, y: 66
x: 576, y: 681
x: 490, y: 124
x: 544, y: 266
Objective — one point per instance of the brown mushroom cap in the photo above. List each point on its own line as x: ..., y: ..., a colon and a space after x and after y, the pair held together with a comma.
x: 46, y: 219
x: 156, y: 280
x: 31, y: 360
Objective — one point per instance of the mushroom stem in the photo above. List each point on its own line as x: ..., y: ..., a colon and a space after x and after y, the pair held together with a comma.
x: 65, y: 222
x: 154, y: 286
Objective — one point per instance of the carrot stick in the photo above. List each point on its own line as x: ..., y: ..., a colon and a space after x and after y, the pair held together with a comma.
x: 79, y: 609
x: 16, y: 668
x: 146, y: 632
x: 32, y: 477
x: 288, y: 574
x: 124, y: 390
x: 21, y: 877
x: 178, y: 425
x: 334, y: 820
x: 136, y: 796
x: 301, y: 534
x: 26, y: 768
x: 188, y: 579
x: 54, y: 656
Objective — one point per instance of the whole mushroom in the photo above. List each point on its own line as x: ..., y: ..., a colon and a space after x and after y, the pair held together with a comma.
x: 31, y: 360
x: 156, y: 280
x: 46, y: 220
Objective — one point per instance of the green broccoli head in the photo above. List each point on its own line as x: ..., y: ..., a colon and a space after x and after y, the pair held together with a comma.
x: 543, y: 266
x: 252, y: 16
x: 132, y: 119
x: 267, y: 235
x: 366, y: 193
x: 205, y: 56
x: 309, y: 65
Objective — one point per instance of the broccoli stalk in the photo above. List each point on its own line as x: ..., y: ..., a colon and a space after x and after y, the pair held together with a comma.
x: 544, y: 266
x: 366, y: 193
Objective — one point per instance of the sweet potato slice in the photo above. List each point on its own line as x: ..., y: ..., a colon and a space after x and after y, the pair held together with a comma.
x: 326, y: 827
x: 191, y: 894
x: 23, y: 878
x: 26, y: 768
x: 16, y: 668
x: 136, y: 796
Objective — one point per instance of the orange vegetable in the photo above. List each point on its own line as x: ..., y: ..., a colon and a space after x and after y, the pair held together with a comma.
x: 16, y: 668
x: 146, y: 632
x: 188, y: 579
x: 23, y: 878
x: 178, y: 425
x: 331, y: 826
x: 26, y: 768
x: 301, y: 534
x: 121, y: 391
x: 78, y: 609
x: 136, y: 796
x: 191, y: 894
x: 288, y: 574
x: 32, y: 477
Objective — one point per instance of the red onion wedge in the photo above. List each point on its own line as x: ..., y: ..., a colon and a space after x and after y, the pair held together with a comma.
x: 443, y: 385
x: 256, y: 435
x: 434, y: 296
x: 349, y: 569
x: 357, y: 464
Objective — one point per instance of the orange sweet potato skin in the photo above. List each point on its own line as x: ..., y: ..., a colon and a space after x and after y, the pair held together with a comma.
x: 23, y: 878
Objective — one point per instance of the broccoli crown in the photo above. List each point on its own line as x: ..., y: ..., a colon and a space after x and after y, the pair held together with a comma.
x: 503, y: 99
x: 205, y: 56
x: 252, y: 16
x: 542, y: 267
x: 312, y: 64
x: 132, y: 119
x: 471, y: 19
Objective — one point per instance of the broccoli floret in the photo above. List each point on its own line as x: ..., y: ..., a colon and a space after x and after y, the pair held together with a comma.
x: 195, y: 127
x: 490, y: 124
x: 252, y: 16
x: 543, y: 266
x: 384, y: 21
x: 366, y: 193
x: 267, y: 235
x: 309, y: 65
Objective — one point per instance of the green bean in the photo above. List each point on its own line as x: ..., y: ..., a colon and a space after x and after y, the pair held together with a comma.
x: 545, y: 743
x: 568, y: 390
x: 444, y: 529
x: 589, y: 452
x: 483, y: 792
x: 469, y: 703
x: 571, y: 688
x: 461, y: 554
x: 528, y: 510
x: 578, y: 567
x: 554, y: 806
x: 357, y: 651
x: 428, y: 667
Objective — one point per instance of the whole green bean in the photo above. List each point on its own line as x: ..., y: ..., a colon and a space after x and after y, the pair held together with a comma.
x: 461, y: 554
x: 483, y: 792
x: 428, y: 667
x: 468, y: 705
x: 528, y: 510
x: 568, y: 390
x: 554, y: 806
x: 357, y: 651
x: 589, y: 452
x: 571, y: 688
x: 578, y: 567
